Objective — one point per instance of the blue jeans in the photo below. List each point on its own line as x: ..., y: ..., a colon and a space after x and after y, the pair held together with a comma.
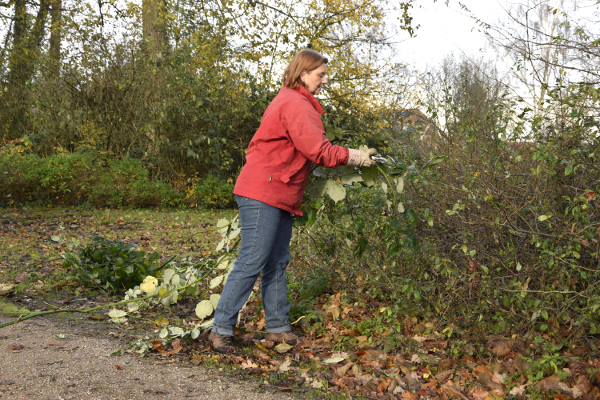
x: 266, y: 234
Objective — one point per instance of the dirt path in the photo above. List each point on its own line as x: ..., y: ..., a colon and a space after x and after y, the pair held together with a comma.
x: 36, y: 364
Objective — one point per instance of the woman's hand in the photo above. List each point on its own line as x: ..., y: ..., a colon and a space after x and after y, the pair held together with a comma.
x: 365, y: 156
x: 361, y: 158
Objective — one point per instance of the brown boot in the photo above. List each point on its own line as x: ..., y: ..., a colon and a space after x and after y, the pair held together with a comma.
x: 289, y: 337
x: 222, y: 343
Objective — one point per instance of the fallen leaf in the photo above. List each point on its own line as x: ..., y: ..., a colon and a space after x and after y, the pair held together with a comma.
x: 260, y: 354
x: 5, y: 287
x: 444, y: 375
x: 361, y: 339
x: 554, y: 383
x: 341, y: 371
x: 16, y: 347
x: 248, y: 364
x: 453, y: 391
x: 501, y: 349
x: 157, y: 345
x: 429, y: 385
x: 482, y: 369
x: 480, y: 394
x: 350, y: 332
x: 493, y: 397
x: 119, y: 367
x: 282, y: 348
x: 415, y: 359
x: 316, y: 384
x: 518, y: 390
x: 332, y: 360
x: 285, y: 366
x: 57, y: 344
x: 583, y: 384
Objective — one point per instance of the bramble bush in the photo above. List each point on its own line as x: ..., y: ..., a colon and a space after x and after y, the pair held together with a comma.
x: 489, y: 231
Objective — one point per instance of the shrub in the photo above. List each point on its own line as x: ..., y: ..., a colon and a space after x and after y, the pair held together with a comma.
x: 75, y: 178
x: 211, y: 192
x: 111, y: 264
x: 126, y: 183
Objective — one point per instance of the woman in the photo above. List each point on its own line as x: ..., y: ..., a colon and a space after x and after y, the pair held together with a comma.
x: 269, y: 192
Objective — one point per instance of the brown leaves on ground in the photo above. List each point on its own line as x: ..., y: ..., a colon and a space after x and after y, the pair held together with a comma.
x: 420, y: 368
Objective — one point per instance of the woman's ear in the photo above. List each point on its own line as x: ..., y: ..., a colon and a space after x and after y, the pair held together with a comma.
x: 303, y: 76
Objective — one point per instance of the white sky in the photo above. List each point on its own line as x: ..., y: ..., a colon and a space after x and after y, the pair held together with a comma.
x: 447, y: 29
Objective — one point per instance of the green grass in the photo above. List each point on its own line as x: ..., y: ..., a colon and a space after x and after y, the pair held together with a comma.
x: 33, y: 238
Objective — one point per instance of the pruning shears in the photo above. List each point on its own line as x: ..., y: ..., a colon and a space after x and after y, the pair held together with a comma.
x: 378, y: 158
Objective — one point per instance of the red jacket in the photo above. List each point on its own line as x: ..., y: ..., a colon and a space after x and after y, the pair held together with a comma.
x: 290, y: 137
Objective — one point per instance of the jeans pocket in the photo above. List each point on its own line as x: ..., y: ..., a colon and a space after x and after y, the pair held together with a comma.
x: 240, y: 200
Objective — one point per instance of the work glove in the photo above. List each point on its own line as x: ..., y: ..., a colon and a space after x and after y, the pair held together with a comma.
x: 361, y: 158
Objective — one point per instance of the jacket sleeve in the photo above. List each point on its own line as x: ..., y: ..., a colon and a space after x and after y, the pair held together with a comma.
x: 306, y: 132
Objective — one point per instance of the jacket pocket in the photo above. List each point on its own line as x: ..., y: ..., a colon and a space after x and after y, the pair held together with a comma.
x: 293, y: 168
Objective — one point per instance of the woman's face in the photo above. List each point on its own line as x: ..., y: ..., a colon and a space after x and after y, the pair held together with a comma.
x: 315, y: 79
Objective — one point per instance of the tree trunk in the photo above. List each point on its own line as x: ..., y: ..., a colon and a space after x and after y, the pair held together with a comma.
x: 55, y: 35
x: 23, y: 60
x: 19, y: 42
x: 154, y: 29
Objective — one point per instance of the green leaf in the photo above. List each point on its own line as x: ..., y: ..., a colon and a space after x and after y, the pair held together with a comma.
x: 361, y: 245
x: 222, y: 226
x: 195, y: 332
x: 519, y: 266
x: 334, y: 360
x: 214, y: 300
x: 117, y: 316
x: 543, y: 217
x: 394, y: 247
x: 176, y: 331
x: 411, y: 216
x: 55, y: 238
x: 568, y: 170
x: 5, y: 287
x: 312, y: 216
x: 351, y: 179
x: 335, y: 190
x: 204, y: 309
x: 215, y: 282
x: 544, y: 314
x: 359, y: 225
x: 400, y: 207
x: 369, y: 175
x: 207, y: 324
x: 399, y: 184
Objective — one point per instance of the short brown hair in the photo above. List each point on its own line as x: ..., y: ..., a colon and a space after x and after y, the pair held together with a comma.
x: 306, y: 60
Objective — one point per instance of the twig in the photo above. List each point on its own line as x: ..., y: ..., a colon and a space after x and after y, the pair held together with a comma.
x: 91, y: 310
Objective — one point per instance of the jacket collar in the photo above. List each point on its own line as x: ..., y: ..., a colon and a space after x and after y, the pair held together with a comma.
x: 315, y: 103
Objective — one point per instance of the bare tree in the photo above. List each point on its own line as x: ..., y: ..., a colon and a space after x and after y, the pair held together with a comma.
x: 550, y: 43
